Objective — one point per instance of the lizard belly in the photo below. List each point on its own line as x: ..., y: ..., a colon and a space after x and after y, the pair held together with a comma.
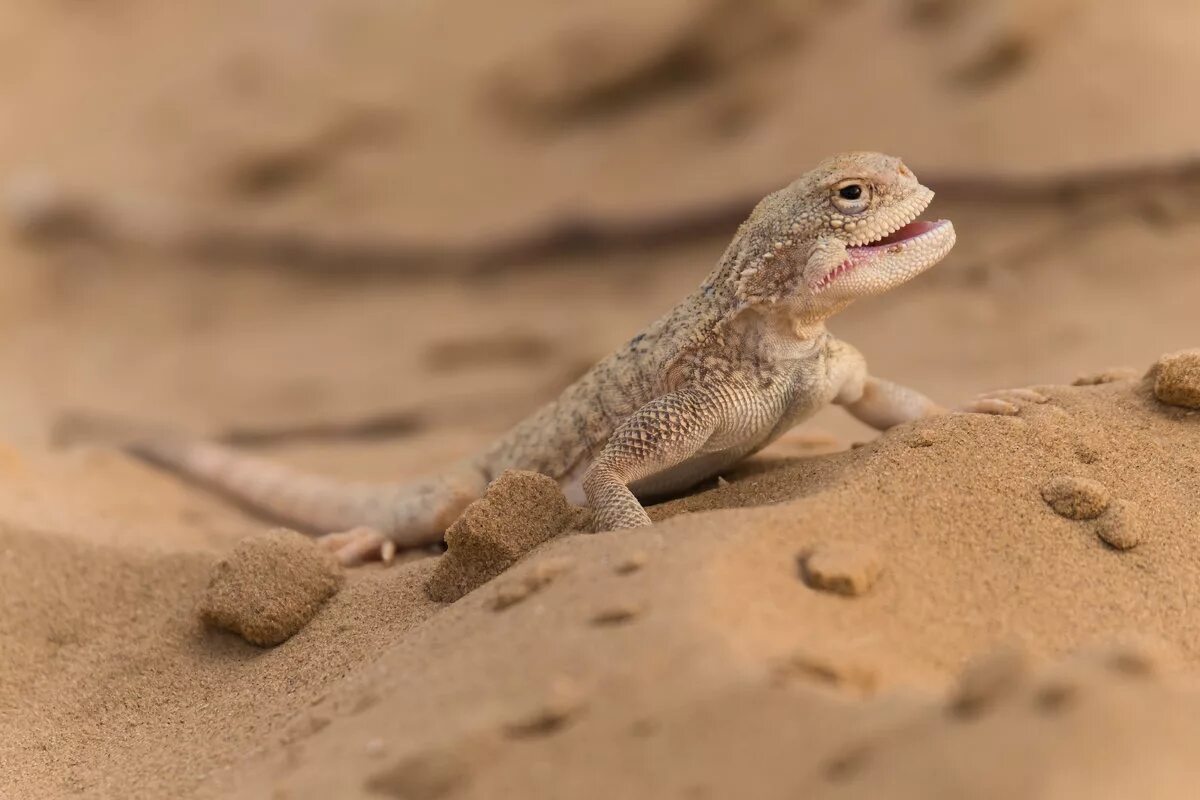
x: 753, y: 419
x: 686, y: 475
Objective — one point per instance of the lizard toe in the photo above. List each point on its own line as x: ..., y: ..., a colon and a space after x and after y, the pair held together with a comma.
x: 359, y: 546
x: 992, y: 405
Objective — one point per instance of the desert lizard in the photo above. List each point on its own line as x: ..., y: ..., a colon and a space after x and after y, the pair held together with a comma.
x: 733, y: 366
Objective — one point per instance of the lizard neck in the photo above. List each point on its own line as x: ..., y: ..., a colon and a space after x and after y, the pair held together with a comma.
x: 776, y: 333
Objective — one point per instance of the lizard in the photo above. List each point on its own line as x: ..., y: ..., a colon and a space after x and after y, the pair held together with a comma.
x: 734, y: 365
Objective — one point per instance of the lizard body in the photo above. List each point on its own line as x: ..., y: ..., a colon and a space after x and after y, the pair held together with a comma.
x: 738, y: 362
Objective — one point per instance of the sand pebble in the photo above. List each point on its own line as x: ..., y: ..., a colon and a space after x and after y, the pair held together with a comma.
x: 918, y: 439
x: 645, y: 726
x: 989, y: 679
x: 848, y: 763
x: 1074, y: 497
x: 364, y: 701
x: 1177, y: 379
x: 425, y: 776
x: 1056, y: 696
x: 1088, y: 451
x: 532, y: 580
x: 563, y: 702
x: 832, y: 671
x: 270, y: 586
x: 306, y: 726
x: 616, y: 614
x: 846, y: 568
x: 1120, y: 526
x: 632, y: 562
x: 1110, y: 375
x: 1135, y: 656
x: 520, y: 511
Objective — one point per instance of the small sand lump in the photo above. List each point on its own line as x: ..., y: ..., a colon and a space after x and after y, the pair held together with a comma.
x: 842, y: 568
x: 531, y: 581
x: 988, y: 679
x: 520, y: 511
x: 270, y: 586
x: 1110, y: 375
x: 1177, y: 379
x: 1076, y: 498
x: 1119, y: 527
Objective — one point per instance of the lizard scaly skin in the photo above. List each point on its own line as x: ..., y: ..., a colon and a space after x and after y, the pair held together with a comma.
x: 739, y: 361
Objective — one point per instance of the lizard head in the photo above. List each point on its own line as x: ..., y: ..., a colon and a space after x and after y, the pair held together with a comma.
x: 847, y: 229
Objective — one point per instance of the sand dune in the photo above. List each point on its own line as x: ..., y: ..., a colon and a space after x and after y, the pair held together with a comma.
x: 703, y: 642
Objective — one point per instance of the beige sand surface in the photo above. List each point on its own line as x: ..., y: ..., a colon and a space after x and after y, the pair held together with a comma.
x: 909, y: 618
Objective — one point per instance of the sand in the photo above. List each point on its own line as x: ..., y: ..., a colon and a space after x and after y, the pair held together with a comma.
x: 619, y: 649
x: 969, y: 606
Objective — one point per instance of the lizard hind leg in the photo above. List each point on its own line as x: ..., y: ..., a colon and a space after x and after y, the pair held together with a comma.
x: 360, y: 521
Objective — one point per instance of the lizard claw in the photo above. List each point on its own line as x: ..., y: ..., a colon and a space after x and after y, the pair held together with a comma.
x: 1004, y: 402
x: 358, y: 546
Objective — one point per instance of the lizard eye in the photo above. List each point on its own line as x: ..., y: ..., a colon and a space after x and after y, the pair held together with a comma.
x: 851, y: 197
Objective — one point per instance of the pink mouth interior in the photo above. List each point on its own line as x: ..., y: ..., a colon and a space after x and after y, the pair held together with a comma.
x: 858, y: 253
x: 910, y: 231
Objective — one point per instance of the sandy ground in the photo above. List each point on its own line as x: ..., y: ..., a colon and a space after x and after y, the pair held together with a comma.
x: 997, y: 649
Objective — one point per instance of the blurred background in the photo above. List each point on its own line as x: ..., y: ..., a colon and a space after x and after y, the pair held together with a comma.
x: 371, y: 234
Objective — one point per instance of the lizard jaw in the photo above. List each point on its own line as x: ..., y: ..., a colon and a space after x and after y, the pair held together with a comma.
x: 890, y: 260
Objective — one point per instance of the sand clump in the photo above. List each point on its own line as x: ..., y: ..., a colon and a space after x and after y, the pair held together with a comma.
x: 632, y: 562
x: 617, y: 613
x: 520, y: 511
x: 833, y: 670
x: 423, y: 776
x: 1110, y: 375
x: 1176, y: 379
x: 531, y: 580
x: 988, y: 679
x: 563, y: 701
x: 1076, y: 498
x: 1120, y: 526
x: 270, y: 586
x: 845, y: 568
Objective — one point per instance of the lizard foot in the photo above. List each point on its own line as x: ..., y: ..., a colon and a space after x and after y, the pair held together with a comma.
x: 1005, y: 402
x: 359, y: 545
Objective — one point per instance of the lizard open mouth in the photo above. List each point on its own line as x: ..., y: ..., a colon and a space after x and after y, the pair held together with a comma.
x: 915, y: 234
x: 906, y: 233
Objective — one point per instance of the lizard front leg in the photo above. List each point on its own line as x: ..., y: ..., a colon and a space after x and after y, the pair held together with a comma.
x: 883, y: 404
x: 662, y: 434
x: 875, y: 401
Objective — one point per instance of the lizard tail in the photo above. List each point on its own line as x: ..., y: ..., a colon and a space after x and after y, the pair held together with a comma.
x: 410, y: 515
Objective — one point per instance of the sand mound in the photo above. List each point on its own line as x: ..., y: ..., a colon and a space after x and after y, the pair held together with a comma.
x: 701, y: 642
x: 520, y: 511
x: 714, y: 651
x: 1177, y: 379
x: 270, y: 586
